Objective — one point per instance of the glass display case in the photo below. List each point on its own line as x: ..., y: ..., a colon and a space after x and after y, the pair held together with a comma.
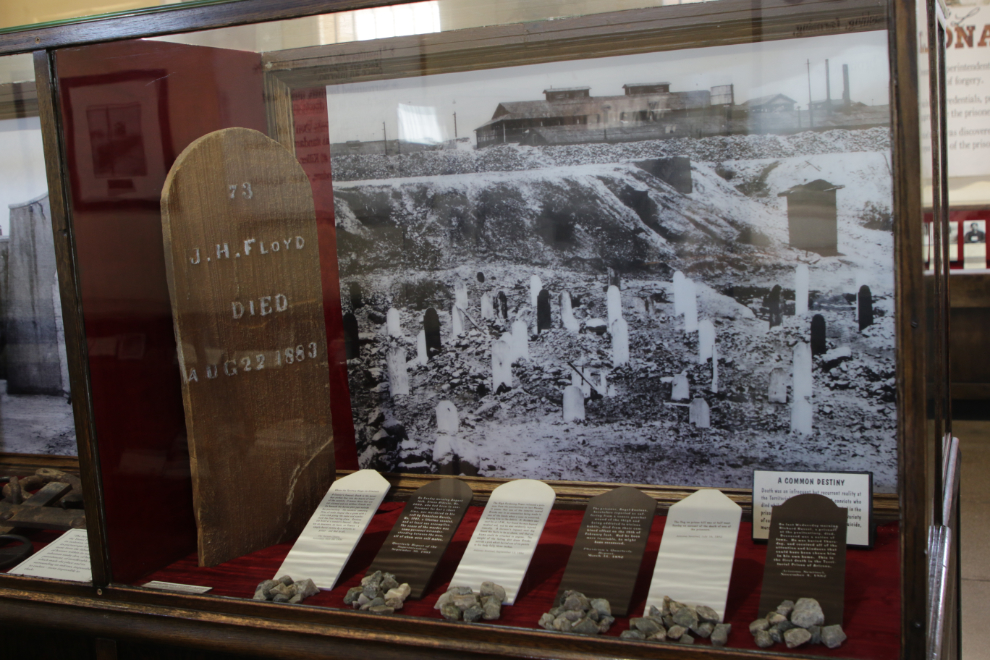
x: 563, y: 297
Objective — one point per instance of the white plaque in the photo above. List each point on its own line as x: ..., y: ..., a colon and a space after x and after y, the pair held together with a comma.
x: 694, y: 563
x: 506, y: 536
x: 174, y: 586
x: 329, y: 538
x: 850, y: 490
x: 65, y: 558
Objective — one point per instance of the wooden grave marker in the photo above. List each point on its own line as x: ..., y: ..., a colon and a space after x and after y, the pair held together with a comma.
x: 243, y: 267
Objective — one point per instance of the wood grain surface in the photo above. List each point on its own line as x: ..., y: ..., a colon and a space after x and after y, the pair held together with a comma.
x: 244, y: 278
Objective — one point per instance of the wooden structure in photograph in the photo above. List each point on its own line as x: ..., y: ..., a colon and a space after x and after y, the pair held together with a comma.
x: 811, y: 217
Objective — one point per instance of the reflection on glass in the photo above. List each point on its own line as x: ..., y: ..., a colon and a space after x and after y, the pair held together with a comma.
x: 35, y: 415
x: 419, y: 125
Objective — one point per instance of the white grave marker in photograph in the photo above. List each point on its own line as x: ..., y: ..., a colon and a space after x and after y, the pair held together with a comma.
x: 696, y: 552
x: 334, y: 529
x: 506, y: 536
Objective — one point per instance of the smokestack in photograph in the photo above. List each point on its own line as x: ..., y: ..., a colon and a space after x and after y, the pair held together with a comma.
x: 828, y: 87
x: 845, y: 85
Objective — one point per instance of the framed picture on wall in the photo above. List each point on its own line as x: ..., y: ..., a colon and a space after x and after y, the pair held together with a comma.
x: 651, y: 267
x: 118, y: 137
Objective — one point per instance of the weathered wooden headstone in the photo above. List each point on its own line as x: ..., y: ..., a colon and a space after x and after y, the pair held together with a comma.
x: 352, y: 346
x: 421, y: 355
x: 865, y: 307
x: 520, y: 340
x: 567, y: 313
x: 481, y: 277
x: 699, y: 413
x: 357, y: 300
x: 487, y: 312
x: 456, y: 322
x: 680, y: 294
x: 777, y: 392
x: 802, y: 412
x: 608, y: 551
x: 573, y: 404
x: 543, y: 320
x: 414, y: 547
x: 818, y: 346
x: 460, y: 295
x: 620, y: 342
x: 681, y: 390
x: 706, y: 341
x: 503, y: 305
x: 431, y: 326
x: 393, y: 322
x: 242, y: 259
x: 806, y: 555
x: 501, y: 364
x: 775, y: 304
x: 802, y: 279
x: 690, y: 306
x: 535, y: 286
x: 614, y: 279
x: 448, y: 420
x: 803, y: 376
x: 398, y: 373
x: 613, y: 304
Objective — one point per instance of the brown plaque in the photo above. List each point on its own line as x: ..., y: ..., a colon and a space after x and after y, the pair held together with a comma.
x: 247, y: 305
x: 806, y: 555
x: 419, y: 537
x: 609, y: 547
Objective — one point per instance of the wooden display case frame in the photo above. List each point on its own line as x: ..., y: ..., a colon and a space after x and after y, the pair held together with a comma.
x: 114, y: 611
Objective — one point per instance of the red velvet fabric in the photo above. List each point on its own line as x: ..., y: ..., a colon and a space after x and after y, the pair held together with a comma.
x: 872, y: 612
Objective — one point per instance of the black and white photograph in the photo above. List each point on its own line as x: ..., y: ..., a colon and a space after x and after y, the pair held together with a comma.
x: 974, y: 244
x: 671, y: 267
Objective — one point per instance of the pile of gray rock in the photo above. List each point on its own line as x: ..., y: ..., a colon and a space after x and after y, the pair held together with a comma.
x: 579, y: 614
x: 462, y: 604
x: 284, y: 590
x: 796, y: 624
x: 379, y: 593
x: 680, y: 623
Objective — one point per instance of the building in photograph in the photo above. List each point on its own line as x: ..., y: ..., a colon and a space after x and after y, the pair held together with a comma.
x: 573, y: 115
x: 651, y: 111
x: 770, y: 103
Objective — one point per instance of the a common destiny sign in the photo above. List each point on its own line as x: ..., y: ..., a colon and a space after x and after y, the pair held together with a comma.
x: 243, y: 269
x: 851, y: 490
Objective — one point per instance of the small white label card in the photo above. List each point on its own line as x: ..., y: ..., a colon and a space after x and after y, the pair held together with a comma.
x: 174, y: 586
x: 65, y: 558
x: 849, y: 490
x: 694, y: 563
x: 506, y: 536
x: 335, y: 528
